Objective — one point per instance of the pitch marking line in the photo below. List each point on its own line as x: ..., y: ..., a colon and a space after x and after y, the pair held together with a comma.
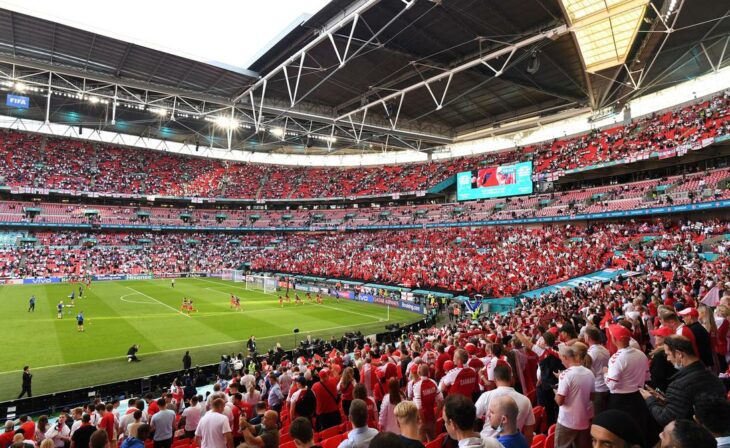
x: 146, y: 302
x: 379, y: 319
x: 176, y: 349
x: 161, y: 303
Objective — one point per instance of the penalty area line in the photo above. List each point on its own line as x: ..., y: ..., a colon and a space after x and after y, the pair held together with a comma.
x: 161, y: 303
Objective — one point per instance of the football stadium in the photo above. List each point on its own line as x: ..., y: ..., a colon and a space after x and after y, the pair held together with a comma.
x: 365, y: 223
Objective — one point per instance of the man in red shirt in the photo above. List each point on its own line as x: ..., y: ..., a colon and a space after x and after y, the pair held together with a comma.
x: 152, y: 406
x: 28, y: 427
x: 328, y: 403
x: 6, y: 438
x: 427, y: 397
x: 236, y: 413
x: 107, y: 421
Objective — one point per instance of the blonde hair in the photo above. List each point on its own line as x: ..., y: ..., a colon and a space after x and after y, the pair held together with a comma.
x: 723, y: 310
x: 406, y: 412
x: 47, y: 443
x: 577, y: 351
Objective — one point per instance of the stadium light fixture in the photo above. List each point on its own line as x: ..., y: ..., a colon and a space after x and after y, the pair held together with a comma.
x: 225, y: 122
x: 277, y: 132
x: 604, y: 29
x: 159, y: 111
x: 20, y: 87
x: 94, y: 100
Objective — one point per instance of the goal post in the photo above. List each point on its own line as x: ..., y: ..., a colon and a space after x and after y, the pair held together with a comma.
x: 264, y: 283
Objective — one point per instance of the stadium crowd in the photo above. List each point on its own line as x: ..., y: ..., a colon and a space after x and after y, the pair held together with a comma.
x: 492, y: 261
x: 31, y: 160
x: 638, y: 361
x: 692, y: 187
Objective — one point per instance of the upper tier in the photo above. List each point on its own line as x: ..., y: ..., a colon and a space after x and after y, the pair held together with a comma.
x: 31, y: 160
x: 675, y: 190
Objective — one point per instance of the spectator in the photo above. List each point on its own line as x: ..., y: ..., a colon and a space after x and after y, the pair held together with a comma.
x: 525, y: 418
x: 106, y: 421
x: 714, y: 414
x: 427, y: 397
x: 459, y: 415
x: 82, y: 435
x: 387, y: 440
x: 276, y: 397
x: 406, y: 414
x: 360, y: 435
x: 265, y: 435
x: 627, y: 371
x: 690, y: 316
x: 328, y: 400
x: 502, y: 417
x: 660, y: 369
x: 387, y: 421
x: 143, y: 433
x: 163, y: 425
x: 191, y: 414
x: 301, y: 433
x: 99, y: 439
x: 214, y: 431
x: 614, y: 428
x: 691, y: 381
x: 574, y: 396
x: 685, y: 433
x: 599, y: 360
x: 59, y: 432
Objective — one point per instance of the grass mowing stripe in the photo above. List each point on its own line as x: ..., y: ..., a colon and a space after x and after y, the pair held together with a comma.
x: 170, y: 350
x: 71, y: 359
x: 161, y: 303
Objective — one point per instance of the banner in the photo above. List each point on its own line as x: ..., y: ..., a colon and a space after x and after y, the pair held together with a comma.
x: 410, y: 306
x: 41, y: 280
x: 17, y: 101
x: 386, y: 301
x: 109, y: 277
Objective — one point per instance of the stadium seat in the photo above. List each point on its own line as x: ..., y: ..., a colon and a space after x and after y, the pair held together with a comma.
x: 333, y: 441
x: 437, y: 442
x: 550, y: 441
x: 284, y: 436
x: 289, y: 444
x: 327, y: 433
x: 538, y: 440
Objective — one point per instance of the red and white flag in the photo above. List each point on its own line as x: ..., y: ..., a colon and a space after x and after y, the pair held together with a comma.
x: 712, y: 298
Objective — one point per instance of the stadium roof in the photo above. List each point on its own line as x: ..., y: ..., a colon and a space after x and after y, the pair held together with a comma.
x: 371, y: 75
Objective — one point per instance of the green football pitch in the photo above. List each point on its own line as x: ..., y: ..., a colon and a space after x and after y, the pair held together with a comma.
x: 147, y: 312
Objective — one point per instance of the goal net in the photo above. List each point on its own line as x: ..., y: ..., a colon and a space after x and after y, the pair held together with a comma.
x: 261, y: 283
x: 233, y: 275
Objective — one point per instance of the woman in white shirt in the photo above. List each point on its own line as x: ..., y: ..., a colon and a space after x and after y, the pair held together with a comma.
x: 387, y: 420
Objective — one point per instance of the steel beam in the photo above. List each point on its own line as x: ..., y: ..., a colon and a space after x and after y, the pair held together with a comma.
x: 324, y: 35
x: 482, y: 60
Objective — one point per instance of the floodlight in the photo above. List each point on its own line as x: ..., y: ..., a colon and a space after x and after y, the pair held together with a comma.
x: 277, y: 132
x: 227, y: 122
x: 20, y: 87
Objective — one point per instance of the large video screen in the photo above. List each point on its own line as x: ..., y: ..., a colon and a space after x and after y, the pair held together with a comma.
x: 494, y: 182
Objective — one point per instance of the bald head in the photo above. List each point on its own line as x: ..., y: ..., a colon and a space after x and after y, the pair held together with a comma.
x: 502, y: 412
x: 271, y: 419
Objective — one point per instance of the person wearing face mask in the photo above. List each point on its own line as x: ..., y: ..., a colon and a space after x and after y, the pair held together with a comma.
x: 691, y: 380
x: 502, y: 417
